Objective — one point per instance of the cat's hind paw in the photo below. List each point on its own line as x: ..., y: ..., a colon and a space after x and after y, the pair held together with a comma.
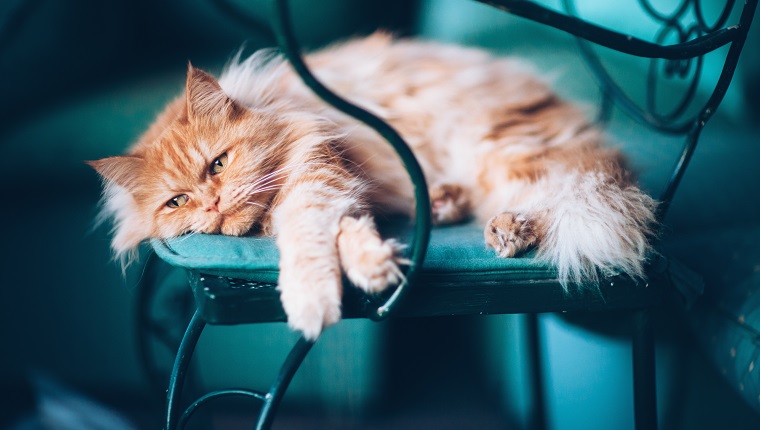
x: 510, y: 233
x: 368, y: 261
x: 449, y: 204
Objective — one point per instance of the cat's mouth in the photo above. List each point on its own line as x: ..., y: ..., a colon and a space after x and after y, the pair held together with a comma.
x: 232, y: 220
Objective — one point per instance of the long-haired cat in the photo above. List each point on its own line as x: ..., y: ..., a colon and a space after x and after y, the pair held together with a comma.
x: 256, y: 151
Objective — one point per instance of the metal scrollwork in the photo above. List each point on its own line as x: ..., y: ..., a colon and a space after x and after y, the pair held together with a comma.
x: 681, y: 60
x: 729, y: 6
x: 674, y: 69
x: 689, y: 68
x: 674, y: 25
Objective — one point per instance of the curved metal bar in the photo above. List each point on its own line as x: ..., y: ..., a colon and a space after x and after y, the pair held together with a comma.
x: 271, y: 400
x: 181, y: 363
x: 612, y: 39
x: 665, y: 19
x: 280, y: 385
x: 732, y: 58
x: 418, y: 247
x: 719, y: 22
x: 670, y: 189
x: 215, y: 395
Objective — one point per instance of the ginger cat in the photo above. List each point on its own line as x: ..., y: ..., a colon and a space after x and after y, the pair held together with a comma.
x: 257, y: 152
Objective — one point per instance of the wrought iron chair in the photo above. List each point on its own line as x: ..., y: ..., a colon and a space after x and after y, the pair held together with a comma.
x: 233, y: 279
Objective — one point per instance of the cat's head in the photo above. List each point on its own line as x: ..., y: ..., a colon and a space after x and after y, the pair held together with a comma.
x: 207, y: 165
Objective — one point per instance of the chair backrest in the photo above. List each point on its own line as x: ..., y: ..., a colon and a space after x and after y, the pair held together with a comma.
x: 696, y: 38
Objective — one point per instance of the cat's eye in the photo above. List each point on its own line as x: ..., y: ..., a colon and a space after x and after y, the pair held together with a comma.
x: 219, y: 164
x: 178, y: 201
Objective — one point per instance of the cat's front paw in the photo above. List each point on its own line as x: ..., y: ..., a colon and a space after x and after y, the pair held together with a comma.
x: 310, y: 304
x: 449, y: 204
x: 368, y: 261
x: 510, y: 233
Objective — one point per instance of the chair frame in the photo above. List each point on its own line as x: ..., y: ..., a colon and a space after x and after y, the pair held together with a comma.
x: 411, y: 298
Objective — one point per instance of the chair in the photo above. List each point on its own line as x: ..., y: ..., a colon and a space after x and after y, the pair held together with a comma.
x: 233, y: 279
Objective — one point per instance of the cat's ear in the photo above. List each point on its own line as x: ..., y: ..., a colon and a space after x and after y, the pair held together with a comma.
x: 206, y: 99
x: 123, y: 170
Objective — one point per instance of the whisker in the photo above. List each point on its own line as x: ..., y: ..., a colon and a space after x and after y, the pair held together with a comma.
x: 185, y: 236
x: 264, y: 190
x: 268, y: 182
x: 261, y: 205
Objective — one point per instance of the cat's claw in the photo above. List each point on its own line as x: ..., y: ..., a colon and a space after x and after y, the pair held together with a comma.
x: 510, y: 233
x: 375, y: 270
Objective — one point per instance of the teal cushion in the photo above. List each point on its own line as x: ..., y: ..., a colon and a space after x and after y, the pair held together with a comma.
x: 455, y: 250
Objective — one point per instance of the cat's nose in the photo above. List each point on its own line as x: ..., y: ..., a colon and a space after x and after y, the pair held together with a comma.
x: 214, y: 207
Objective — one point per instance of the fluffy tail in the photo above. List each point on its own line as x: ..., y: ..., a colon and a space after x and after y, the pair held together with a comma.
x: 596, y: 224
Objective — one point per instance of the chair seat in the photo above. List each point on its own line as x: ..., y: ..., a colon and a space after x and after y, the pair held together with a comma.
x: 234, y: 279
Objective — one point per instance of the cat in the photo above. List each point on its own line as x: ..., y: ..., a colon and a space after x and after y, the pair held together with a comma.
x: 256, y: 152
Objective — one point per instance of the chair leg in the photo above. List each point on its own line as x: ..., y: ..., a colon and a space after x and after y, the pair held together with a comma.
x: 181, y: 364
x: 538, y: 410
x: 644, y: 382
x: 280, y: 385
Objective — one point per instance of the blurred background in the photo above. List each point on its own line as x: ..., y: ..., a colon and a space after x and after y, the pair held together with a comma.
x: 81, y: 80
